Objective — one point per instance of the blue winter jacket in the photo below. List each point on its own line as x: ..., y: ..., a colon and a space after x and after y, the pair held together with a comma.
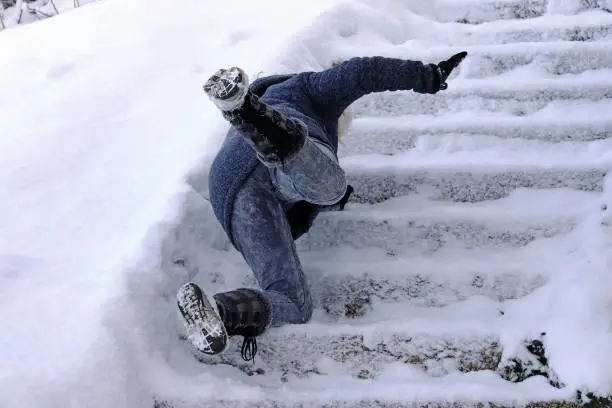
x: 317, y: 99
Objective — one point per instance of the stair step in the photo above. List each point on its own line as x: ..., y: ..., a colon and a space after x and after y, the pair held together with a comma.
x: 377, y: 401
x: 461, y: 185
x: 556, y: 58
x: 592, y: 25
x: 403, y: 386
x: 477, y: 12
x: 425, y: 226
x: 374, y: 402
x: 517, y: 95
x: 359, y: 355
x: 405, y: 393
x: 439, y: 341
x: 471, y: 12
x: 349, y: 282
x: 564, y: 127
x: 416, y: 138
x: 470, y: 168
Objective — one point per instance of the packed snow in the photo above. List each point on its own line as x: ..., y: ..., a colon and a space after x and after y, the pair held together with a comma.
x: 102, y: 118
x: 106, y: 138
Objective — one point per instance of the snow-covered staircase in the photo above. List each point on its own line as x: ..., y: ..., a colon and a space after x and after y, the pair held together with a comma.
x: 460, y: 200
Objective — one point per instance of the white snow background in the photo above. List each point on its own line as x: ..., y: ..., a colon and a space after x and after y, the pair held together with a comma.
x: 102, y: 119
x: 23, y: 12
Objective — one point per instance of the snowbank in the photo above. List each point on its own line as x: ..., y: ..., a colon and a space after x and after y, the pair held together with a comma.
x: 22, y: 12
x: 102, y: 117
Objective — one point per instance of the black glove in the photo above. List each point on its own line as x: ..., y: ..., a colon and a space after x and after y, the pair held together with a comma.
x: 302, y: 214
x: 446, y: 67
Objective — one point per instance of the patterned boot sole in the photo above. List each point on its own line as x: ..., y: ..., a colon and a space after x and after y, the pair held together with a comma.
x: 205, y: 330
x: 227, y: 88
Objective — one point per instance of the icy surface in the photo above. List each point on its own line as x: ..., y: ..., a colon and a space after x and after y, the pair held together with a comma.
x: 105, y: 133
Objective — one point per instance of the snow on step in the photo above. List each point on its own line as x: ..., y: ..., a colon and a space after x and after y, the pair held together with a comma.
x: 438, y: 340
x: 402, y: 386
x: 359, y: 295
x: 476, y: 12
x: 417, y: 223
x: 466, y: 185
x: 554, y: 57
x: 586, y: 26
x: 526, y: 127
x: 557, y: 122
x: 517, y: 95
x: 469, y: 168
x: 349, y: 282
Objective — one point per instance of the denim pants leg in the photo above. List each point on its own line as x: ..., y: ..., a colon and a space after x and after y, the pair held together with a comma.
x: 262, y: 234
x: 314, y: 175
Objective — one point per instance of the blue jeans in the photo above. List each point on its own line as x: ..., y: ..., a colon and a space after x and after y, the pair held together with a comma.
x: 262, y: 233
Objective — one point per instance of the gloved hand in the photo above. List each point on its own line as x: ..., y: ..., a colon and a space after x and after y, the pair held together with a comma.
x: 446, y: 67
x: 302, y: 214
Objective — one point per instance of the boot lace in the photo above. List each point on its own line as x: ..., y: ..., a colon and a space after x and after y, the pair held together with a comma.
x: 249, y: 348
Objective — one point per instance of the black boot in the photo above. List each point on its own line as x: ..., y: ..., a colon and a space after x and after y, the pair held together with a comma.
x: 275, y: 138
x: 244, y: 312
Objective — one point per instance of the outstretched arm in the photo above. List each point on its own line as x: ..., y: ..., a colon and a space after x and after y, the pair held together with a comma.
x: 336, y: 88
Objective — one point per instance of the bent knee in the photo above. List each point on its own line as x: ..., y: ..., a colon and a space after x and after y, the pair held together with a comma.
x: 334, y: 191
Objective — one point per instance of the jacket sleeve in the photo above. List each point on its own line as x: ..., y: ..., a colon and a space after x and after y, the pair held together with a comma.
x: 336, y: 88
x: 259, y: 86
